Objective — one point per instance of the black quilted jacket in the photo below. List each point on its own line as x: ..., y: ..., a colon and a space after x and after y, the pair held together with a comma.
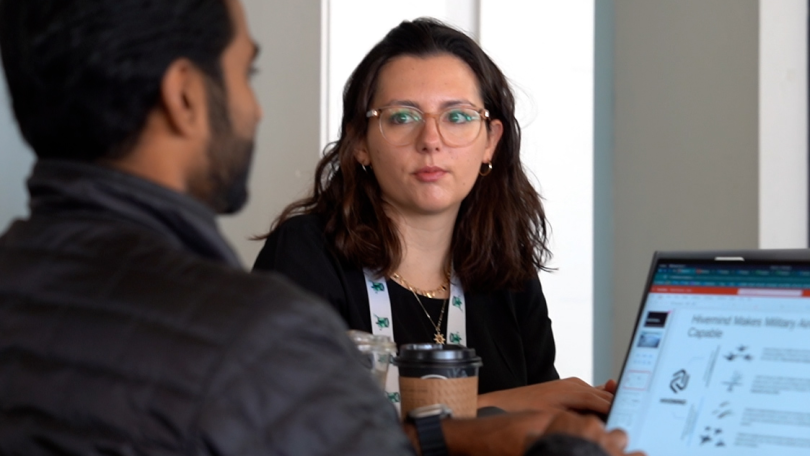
x: 126, y: 328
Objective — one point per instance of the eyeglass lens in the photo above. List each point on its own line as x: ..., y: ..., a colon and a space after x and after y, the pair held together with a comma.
x: 457, y: 126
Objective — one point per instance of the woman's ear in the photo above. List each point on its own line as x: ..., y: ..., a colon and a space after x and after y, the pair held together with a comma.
x: 361, y: 154
x: 493, y: 138
x: 184, y: 99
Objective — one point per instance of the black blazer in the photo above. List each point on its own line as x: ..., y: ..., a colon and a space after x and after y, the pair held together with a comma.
x: 510, y: 330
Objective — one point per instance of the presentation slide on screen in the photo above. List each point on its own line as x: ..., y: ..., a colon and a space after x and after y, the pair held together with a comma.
x: 718, y: 371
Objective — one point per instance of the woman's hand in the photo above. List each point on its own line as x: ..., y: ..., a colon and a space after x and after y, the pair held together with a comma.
x: 571, y: 394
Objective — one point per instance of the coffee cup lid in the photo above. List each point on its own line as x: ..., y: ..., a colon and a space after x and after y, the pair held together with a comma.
x: 437, y: 353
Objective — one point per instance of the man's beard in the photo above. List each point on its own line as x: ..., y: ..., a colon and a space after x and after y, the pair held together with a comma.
x: 229, y: 157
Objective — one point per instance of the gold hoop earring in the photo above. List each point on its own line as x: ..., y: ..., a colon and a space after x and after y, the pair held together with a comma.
x: 488, y: 170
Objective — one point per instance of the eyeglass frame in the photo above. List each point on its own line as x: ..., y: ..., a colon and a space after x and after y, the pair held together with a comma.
x: 483, y: 112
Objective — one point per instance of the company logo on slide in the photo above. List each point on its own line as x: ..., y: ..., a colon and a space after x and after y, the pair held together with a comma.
x: 679, y: 382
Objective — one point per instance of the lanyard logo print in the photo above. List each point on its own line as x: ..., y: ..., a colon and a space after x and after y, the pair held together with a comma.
x: 382, y: 322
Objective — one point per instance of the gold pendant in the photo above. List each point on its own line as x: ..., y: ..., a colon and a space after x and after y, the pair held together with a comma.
x: 438, y: 338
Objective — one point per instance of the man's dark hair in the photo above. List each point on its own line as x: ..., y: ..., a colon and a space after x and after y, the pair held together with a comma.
x: 84, y: 74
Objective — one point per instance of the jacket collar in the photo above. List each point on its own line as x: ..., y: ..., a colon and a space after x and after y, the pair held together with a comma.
x: 67, y: 187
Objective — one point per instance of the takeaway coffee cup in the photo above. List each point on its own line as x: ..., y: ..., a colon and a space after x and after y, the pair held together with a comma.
x: 377, y: 352
x: 438, y: 374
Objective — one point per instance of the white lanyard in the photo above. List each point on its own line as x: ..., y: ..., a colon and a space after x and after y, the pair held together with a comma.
x: 382, y: 322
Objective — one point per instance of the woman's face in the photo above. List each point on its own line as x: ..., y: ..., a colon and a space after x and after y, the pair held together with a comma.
x: 427, y: 176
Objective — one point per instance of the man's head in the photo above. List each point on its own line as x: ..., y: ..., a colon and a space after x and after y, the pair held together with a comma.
x: 157, y: 88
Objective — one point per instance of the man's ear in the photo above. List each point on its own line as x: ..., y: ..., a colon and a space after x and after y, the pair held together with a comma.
x: 183, y: 98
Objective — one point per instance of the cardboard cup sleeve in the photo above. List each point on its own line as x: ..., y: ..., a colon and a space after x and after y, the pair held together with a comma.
x: 460, y: 394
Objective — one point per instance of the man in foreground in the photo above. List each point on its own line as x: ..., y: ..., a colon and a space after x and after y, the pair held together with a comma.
x: 126, y: 324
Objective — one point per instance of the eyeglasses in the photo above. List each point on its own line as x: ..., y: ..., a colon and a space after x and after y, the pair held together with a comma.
x: 458, y: 126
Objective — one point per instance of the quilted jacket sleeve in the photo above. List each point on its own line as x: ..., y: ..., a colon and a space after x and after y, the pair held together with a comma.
x: 292, y: 384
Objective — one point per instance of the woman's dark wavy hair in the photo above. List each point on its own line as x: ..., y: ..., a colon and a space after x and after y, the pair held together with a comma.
x: 84, y: 74
x: 500, y: 237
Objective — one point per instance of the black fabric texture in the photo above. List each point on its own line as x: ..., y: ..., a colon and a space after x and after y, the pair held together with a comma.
x: 76, y: 189
x: 564, y: 445
x: 511, y: 331
x: 125, y: 329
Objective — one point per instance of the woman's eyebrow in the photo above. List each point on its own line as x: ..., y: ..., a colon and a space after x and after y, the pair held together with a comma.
x: 451, y: 103
x: 409, y: 103
x: 445, y: 104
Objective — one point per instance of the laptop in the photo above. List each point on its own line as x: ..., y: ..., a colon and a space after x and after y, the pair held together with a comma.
x: 719, y: 361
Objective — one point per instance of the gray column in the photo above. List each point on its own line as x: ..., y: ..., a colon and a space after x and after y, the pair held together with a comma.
x: 686, y: 141
x: 288, y: 140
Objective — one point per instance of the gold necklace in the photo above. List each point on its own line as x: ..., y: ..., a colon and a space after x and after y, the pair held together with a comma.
x: 429, y: 293
x: 438, y: 337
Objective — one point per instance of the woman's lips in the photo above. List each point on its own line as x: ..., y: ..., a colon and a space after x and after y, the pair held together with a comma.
x: 429, y: 173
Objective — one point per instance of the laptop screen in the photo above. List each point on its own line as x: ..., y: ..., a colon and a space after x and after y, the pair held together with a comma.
x: 720, y: 358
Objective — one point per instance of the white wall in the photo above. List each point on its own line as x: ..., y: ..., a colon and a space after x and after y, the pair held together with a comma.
x: 783, y: 152
x: 16, y: 159
x: 546, y: 49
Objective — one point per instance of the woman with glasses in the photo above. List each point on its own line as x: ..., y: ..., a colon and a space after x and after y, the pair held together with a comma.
x: 422, y: 224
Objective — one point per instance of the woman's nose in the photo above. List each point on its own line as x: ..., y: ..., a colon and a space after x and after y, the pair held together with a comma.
x: 429, y: 139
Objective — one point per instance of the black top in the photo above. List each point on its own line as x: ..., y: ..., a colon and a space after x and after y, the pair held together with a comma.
x: 127, y: 329
x: 510, y: 330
